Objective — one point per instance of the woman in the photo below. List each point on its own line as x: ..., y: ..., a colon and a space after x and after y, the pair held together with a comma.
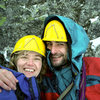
x: 28, y: 60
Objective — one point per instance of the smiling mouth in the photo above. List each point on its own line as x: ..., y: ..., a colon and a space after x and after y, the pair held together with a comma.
x: 55, y: 57
x: 29, y: 70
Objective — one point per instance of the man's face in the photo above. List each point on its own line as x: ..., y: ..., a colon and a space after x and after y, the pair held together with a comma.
x: 58, y: 55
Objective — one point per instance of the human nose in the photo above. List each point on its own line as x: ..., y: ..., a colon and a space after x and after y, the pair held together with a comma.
x: 30, y: 62
x: 53, y: 49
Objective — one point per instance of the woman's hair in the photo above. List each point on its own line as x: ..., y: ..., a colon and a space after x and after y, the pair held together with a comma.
x: 14, y: 58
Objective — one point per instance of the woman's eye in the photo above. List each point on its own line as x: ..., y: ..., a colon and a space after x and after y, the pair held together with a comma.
x: 24, y: 57
x: 37, y: 58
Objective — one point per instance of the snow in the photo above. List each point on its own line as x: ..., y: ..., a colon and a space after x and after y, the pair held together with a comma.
x: 94, y: 19
x: 95, y: 43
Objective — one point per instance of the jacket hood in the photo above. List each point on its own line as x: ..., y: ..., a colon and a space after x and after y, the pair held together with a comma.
x: 78, y: 36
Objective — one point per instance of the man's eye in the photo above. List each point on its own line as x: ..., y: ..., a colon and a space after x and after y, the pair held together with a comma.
x: 48, y: 43
x: 61, y: 43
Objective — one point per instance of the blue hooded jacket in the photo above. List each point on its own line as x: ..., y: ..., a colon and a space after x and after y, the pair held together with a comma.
x: 64, y: 77
x: 28, y: 86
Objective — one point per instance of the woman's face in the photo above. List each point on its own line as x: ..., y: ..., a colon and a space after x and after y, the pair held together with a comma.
x: 29, y: 63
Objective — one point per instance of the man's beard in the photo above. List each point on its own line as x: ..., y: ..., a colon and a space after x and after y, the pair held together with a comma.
x: 59, y: 64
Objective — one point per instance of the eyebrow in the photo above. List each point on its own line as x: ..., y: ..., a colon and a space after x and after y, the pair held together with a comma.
x: 59, y: 42
x: 38, y: 55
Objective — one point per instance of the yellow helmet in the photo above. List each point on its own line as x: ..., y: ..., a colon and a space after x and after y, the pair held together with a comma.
x: 30, y: 43
x: 54, y: 31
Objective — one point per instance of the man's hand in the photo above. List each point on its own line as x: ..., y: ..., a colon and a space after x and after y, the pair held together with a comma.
x: 7, y: 80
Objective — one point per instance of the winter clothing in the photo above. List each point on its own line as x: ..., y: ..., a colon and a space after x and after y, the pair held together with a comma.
x: 28, y: 88
x: 59, y: 80
x: 93, y: 78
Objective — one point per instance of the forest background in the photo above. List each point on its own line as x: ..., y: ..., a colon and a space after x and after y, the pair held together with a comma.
x: 22, y: 17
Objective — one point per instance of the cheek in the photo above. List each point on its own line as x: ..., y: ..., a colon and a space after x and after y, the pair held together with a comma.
x: 65, y: 52
x: 19, y: 64
x: 39, y: 65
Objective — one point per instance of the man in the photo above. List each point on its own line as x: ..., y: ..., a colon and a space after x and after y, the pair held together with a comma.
x: 66, y: 42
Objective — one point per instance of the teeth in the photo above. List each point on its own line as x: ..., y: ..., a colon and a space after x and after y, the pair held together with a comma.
x: 29, y: 70
x: 55, y: 56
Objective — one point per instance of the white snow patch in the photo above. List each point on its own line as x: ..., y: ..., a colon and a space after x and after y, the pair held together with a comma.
x: 95, y: 43
x: 94, y: 19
